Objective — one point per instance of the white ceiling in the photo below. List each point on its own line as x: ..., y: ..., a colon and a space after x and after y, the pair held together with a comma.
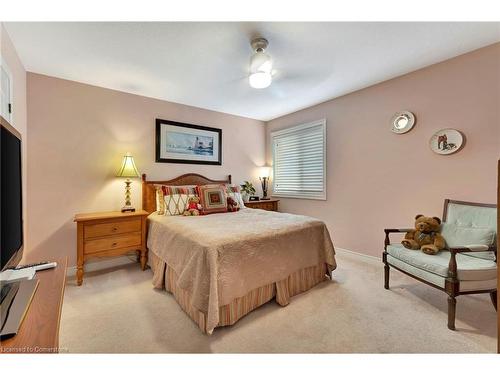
x: 206, y: 64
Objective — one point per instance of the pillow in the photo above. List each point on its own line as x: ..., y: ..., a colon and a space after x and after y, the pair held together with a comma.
x: 160, y: 203
x: 173, y: 200
x: 234, y: 192
x: 456, y: 235
x: 213, y: 198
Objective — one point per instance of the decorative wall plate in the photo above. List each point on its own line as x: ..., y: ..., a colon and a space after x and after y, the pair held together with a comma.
x: 402, y: 122
x: 447, y: 141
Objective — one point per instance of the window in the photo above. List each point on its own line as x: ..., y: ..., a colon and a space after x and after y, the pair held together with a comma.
x: 5, y: 92
x: 299, y: 161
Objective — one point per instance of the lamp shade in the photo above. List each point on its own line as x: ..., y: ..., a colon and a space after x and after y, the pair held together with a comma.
x: 128, y: 168
x: 265, y: 172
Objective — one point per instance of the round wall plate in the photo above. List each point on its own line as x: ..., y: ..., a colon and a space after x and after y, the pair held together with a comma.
x: 446, y: 141
x: 402, y: 122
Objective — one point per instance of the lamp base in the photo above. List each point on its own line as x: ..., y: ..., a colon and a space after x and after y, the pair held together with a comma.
x: 265, y: 199
x: 128, y: 209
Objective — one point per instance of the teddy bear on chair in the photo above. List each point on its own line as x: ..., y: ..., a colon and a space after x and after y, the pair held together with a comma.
x: 426, y: 235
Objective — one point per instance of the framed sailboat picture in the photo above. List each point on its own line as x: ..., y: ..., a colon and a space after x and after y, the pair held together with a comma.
x: 177, y: 142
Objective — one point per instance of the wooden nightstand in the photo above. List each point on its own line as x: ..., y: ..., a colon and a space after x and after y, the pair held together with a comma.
x: 106, y: 234
x: 268, y: 205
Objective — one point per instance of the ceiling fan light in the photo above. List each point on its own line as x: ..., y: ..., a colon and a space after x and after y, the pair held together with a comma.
x: 260, y: 80
x: 261, y: 62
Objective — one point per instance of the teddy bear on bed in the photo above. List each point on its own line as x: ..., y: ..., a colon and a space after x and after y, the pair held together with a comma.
x: 426, y: 235
x: 232, y: 205
x: 194, y: 207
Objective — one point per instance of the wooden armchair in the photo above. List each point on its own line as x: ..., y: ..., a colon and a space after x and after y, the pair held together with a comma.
x: 467, y: 266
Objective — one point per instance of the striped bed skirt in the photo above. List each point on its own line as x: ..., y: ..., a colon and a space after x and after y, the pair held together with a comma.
x: 164, y: 277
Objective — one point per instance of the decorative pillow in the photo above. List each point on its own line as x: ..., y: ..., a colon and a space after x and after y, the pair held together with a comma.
x: 456, y: 235
x: 173, y: 200
x: 213, y: 198
x: 160, y: 202
x: 234, y: 192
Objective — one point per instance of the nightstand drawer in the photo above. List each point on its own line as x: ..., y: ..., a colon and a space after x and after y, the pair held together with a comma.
x: 112, y: 242
x: 264, y: 204
x: 114, y: 227
x: 267, y: 206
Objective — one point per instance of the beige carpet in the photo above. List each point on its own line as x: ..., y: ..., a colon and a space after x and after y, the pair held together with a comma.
x: 117, y: 311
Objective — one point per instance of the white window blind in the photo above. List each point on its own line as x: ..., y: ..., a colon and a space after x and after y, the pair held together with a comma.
x: 299, y: 161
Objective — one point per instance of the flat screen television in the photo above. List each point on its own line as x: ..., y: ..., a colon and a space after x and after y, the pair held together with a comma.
x: 11, y: 201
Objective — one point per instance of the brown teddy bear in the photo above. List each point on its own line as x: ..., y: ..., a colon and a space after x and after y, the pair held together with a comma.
x: 232, y: 205
x: 194, y: 207
x: 425, y: 236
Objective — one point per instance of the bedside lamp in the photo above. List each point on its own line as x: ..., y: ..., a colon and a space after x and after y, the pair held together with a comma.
x: 264, y: 180
x: 128, y: 170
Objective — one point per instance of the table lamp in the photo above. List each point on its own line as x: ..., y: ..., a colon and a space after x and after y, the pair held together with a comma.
x: 264, y: 180
x: 128, y: 170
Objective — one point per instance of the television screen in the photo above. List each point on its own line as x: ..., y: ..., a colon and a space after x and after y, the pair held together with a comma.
x: 11, y: 240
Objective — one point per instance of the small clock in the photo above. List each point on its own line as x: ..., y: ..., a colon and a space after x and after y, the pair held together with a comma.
x: 402, y: 122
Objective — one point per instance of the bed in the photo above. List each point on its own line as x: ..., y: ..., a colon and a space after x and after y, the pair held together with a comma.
x: 220, y: 267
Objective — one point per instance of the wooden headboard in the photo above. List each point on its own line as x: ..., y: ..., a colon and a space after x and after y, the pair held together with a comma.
x: 149, y: 193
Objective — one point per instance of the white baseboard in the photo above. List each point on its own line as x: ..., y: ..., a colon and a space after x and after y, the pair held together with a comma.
x: 102, y: 264
x: 368, y: 257
x: 128, y: 259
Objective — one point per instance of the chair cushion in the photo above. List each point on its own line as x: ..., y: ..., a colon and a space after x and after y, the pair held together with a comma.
x: 472, y: 216
x: 457, y: 235
x: 488, y: 255
x: 469, y: 268
x: 437, y: 280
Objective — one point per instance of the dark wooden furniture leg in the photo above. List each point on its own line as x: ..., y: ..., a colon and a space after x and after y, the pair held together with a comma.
x: 493, y: 296
x: 452, y: 306
x: 386, y: 276
x: 452, y: 287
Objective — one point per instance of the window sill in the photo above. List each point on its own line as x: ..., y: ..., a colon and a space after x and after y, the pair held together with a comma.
x: 322, y: 198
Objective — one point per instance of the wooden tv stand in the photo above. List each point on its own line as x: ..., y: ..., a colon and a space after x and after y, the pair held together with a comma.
x: 39, y: 331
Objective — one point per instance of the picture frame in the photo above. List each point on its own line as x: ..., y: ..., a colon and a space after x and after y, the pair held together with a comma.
x: 178, y: 142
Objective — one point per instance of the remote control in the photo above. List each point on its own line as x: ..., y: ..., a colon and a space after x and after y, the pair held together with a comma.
x: 30, y: 265
x: 45, y: 266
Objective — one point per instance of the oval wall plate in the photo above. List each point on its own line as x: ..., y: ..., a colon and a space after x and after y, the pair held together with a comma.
x: 446, y: 141
x: 402, y: 122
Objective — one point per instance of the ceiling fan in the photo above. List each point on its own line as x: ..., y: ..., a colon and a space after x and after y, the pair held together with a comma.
x: 261, y: 65
x: 262, y: 73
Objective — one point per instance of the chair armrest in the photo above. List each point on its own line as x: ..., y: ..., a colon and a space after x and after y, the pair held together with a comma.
x: 468, y: 248
x: 387, y: 231
x: 452, y: 265
x: 404, y: 230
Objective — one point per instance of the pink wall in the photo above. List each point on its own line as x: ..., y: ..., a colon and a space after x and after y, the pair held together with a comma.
x: 19, y: 121
x: 78, y: 136
x: 377, y: 179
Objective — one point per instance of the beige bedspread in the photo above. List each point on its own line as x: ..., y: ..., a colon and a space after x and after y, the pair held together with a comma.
x: 220, y: 257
